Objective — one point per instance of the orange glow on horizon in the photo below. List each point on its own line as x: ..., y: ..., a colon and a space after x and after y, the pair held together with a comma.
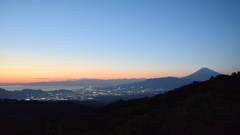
x: 43, y: 74
x: 99, y: 76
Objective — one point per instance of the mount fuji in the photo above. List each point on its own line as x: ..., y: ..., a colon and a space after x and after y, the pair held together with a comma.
x: 202, y: 74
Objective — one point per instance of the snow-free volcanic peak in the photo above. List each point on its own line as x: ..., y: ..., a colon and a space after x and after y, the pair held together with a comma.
x: 202, y: 74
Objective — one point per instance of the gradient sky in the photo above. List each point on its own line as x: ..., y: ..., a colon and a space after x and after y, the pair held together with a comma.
x: 60, y: 40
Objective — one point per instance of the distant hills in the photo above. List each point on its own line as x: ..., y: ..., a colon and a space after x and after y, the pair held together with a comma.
x: 169, y: 83
x: 22, y: 93
x: 80, y: 82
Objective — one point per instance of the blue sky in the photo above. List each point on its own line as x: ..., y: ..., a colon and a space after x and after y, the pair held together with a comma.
x: 117, y: 38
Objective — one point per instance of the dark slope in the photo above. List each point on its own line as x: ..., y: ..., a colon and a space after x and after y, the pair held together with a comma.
x: 210, y: 107
x: 202, y: 74
x: 35, y: 117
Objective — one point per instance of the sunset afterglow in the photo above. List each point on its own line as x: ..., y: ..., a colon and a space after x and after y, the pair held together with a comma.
x: 65, y: 40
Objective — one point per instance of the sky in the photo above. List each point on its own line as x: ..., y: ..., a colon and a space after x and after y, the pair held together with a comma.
x: 108, y: 39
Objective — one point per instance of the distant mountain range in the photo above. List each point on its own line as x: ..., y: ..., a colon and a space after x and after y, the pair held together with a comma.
x: 79, y: 82
x: 166, y: 83
x: 169, y: 83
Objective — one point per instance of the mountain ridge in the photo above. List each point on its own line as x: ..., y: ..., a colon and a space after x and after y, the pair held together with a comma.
x: 169, y: 83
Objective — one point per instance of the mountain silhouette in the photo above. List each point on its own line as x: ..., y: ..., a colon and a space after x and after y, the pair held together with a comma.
x: 202, y: 74
x: 169, y: 83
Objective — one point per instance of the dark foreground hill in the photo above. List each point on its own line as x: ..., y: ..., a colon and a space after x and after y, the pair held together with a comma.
x: 209, y: 107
